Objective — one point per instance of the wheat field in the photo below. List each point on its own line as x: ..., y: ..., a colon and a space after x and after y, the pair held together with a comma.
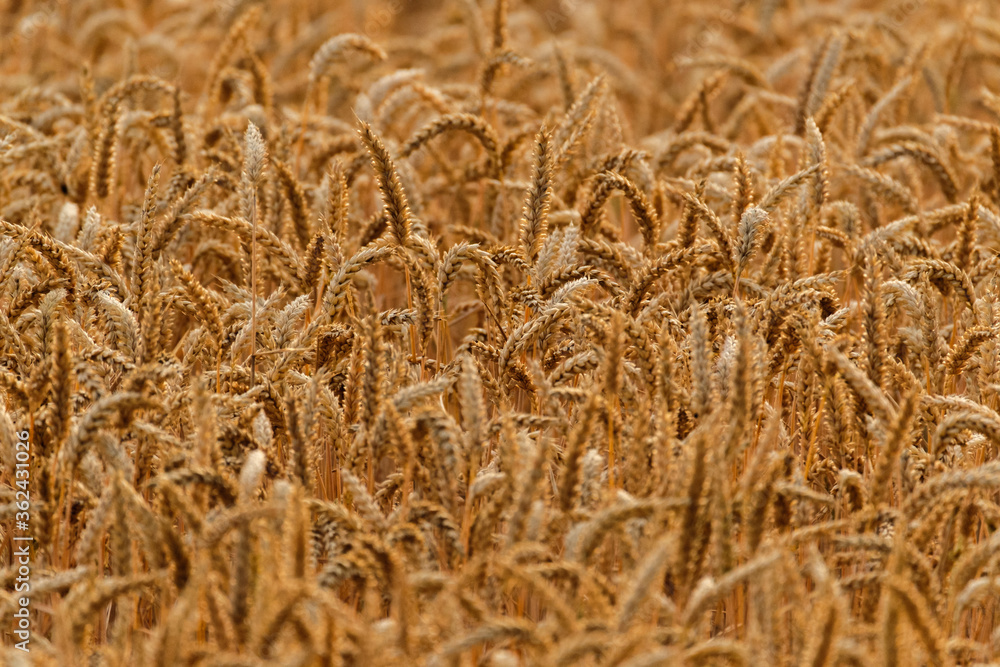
x: 503, y: 333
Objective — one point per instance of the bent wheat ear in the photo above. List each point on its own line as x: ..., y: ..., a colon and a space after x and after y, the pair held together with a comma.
x: 465, y: 122
x: 336, y: 47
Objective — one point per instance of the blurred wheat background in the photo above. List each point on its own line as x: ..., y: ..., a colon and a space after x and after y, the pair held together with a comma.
x: 500, y: 332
